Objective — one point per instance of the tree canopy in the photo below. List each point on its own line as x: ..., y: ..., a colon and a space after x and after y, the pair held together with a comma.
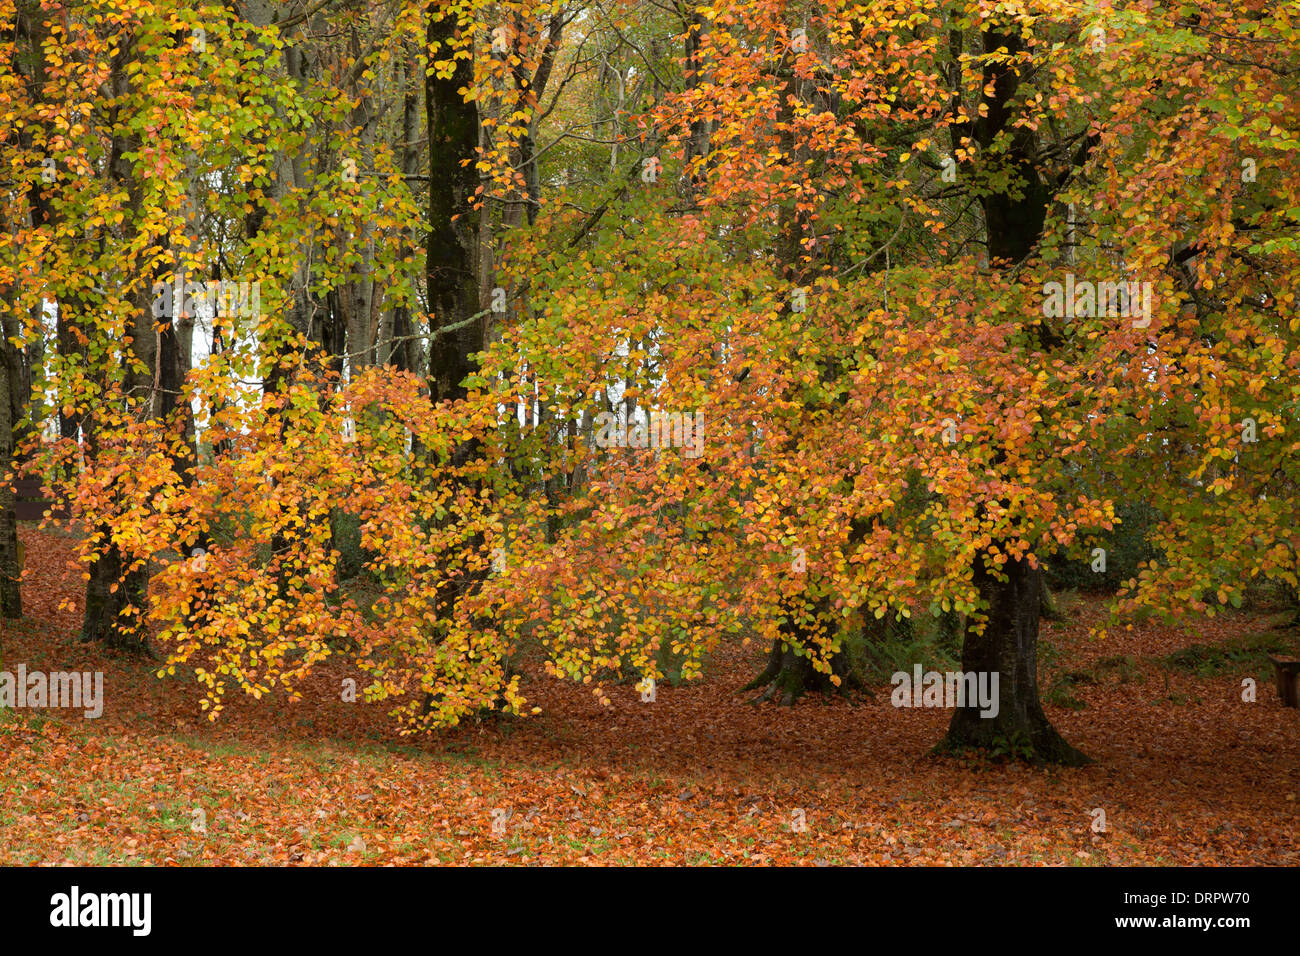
x: 472, y: 340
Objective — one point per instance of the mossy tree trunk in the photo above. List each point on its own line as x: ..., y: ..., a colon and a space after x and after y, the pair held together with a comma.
x: 1008, y: 646
x: 790, y: 675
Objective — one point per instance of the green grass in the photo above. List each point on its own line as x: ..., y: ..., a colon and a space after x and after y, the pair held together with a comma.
x: 1240, y: 655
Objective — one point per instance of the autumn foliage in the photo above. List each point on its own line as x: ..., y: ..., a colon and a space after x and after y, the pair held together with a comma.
x: 830, y: 230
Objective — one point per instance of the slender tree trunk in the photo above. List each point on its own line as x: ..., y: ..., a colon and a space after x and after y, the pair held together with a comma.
x: 697, y: 145
x: 302, y: 317
x: 11, y: 603
x: 788, y: 675
x: 357, y: 295
x: 403, y: 352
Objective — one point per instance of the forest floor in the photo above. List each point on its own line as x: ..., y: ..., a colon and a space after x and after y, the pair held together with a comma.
x: 1185, y: 771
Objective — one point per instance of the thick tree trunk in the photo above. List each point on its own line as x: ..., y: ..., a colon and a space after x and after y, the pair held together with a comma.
x: 1008, y: 646
x: 115, y: 593
x: 115, y: 598
x: 114, y: 603
x: 790, y: 674
x: 451, y: 256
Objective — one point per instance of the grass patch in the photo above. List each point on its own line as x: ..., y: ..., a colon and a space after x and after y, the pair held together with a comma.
x: 1247, y: 654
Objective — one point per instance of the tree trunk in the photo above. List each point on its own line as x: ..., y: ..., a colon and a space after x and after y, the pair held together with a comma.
x: 15, y: 396
x: 115, y: 593
x: 451, y: 254
x: 114, y: 603
x: 1008, y: 646
x: 790, y: 674
x: 11, y: 603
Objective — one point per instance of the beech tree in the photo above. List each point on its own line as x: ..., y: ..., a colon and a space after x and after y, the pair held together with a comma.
x: 653, y: 327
